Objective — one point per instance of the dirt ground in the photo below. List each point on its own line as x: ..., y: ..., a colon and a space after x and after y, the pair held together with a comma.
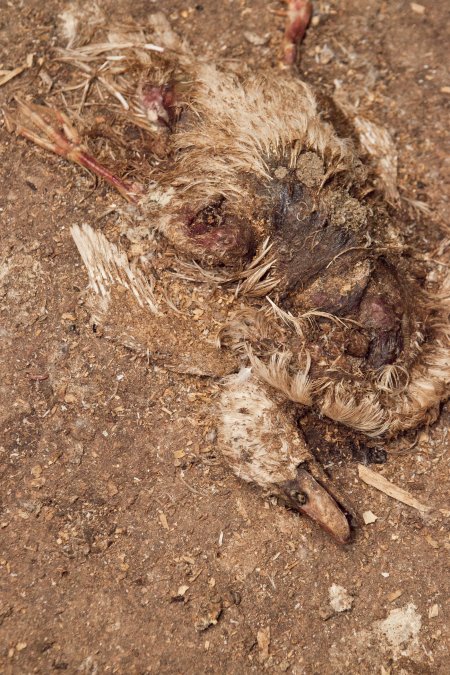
x: 122, y: 533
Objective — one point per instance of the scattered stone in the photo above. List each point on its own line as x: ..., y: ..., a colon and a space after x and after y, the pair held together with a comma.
x: 255, y: 39
x: 210, y: 615
x: 340, y: 599
x: 36, y: 471
x: 401, y: 627
x: 326, y: 55
x: 369, y: 517
x: 179, y: 596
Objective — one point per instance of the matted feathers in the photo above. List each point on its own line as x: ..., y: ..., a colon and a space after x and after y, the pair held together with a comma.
x: 107, y: 266
x: 297, y: 387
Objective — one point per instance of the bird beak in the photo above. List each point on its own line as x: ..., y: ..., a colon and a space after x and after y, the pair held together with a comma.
x: 306, y: 495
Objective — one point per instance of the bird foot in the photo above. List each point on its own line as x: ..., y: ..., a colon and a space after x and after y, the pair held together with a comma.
x: 52, y: 130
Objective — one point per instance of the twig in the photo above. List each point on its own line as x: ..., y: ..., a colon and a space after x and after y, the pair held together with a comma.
x: 190, y: 488
x: 380, y: 483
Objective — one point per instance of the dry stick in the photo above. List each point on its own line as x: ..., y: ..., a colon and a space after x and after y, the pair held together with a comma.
x: 7, y: 75
x: 383, y: 485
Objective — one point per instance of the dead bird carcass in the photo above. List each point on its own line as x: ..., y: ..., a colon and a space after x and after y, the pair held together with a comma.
x: 241, y: 175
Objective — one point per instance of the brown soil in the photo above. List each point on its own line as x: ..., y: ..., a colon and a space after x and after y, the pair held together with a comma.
x: 114, y: 494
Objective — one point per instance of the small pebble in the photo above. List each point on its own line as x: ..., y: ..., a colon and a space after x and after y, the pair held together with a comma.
x: 340, y: 598
x: 369, y: 517
x: 36, y: 471
x: 255, y: 39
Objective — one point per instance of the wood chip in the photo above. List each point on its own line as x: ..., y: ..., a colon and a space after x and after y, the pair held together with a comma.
x: 163, y: 521
x: 431, y: 541
x: 418, y: 9
x: 380, y: 483
x: 195, y: 576
x: 7, y: 75
x: 291, y: 565
x: 433, y: 612
x: 394, y: 595
x: 263, y: 639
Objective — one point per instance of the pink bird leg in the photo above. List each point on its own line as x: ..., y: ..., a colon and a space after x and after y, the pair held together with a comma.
x: 298, y: 17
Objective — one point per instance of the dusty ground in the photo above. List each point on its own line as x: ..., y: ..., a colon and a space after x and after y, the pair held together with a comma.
x: 113, y: 492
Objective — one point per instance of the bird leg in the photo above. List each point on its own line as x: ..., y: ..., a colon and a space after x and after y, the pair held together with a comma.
x: 298, y: 17
x: 53, y: 131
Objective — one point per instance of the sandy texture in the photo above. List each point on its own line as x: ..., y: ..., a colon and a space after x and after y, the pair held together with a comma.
x: 125, y: 544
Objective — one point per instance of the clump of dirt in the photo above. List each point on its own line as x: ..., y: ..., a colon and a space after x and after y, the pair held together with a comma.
x: 310, y: 169
x: 345, y: 212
